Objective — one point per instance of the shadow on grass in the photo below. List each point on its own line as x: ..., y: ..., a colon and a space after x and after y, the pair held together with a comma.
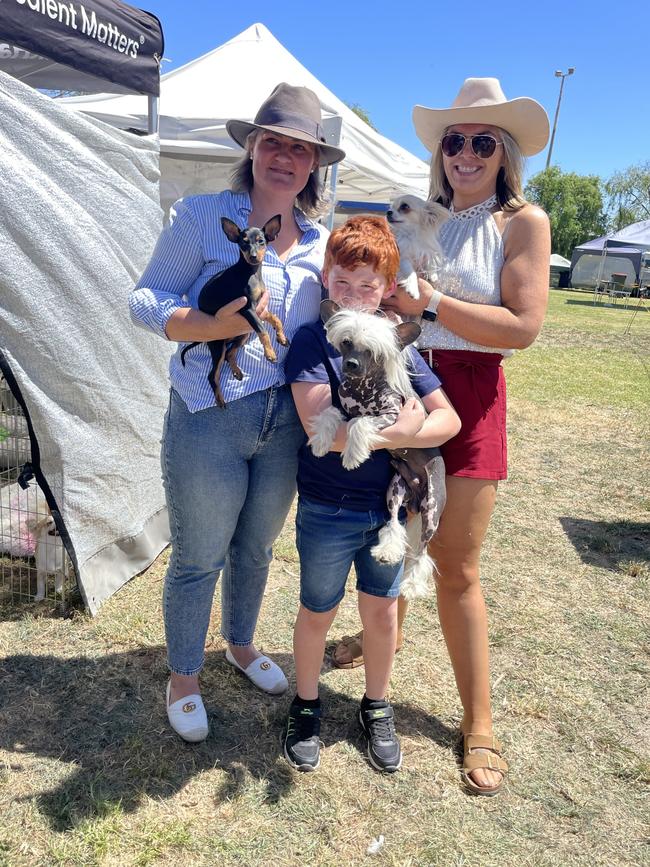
x: 609, y: 543
x: 582, y: 302
x: 631, y: 305
x: 13, y: 608
x: 106, y: 718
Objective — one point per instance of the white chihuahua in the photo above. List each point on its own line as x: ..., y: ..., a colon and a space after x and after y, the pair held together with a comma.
x: 416, y: 225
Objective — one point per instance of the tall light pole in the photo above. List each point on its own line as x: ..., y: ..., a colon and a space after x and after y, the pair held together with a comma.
x: 562, y: 75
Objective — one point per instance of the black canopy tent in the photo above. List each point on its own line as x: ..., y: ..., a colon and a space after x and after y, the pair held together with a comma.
x: 91, y: 46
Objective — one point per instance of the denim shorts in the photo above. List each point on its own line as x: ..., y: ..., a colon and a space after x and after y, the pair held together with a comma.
x: 329, y: 540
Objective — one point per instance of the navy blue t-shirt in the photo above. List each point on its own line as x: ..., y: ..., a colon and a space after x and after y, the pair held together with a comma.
x: 325, y: 479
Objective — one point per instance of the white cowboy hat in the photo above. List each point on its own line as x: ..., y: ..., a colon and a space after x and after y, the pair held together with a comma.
x: 481, y: 100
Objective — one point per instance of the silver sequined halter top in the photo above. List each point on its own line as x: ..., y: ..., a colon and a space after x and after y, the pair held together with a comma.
x: 473, y: 250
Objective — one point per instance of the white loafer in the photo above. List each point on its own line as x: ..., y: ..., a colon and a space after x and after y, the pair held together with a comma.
x: 187, y: 717
x: 263, y: 672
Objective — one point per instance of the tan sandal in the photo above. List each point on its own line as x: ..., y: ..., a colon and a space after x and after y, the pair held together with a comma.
x: 482, y: 752
x: 348, y: 653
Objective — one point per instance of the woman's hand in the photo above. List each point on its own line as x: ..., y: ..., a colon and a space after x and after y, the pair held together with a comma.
x: 229, y: 321
x: 263, y: 304
x: 399, y: 302
x: 187, y: 324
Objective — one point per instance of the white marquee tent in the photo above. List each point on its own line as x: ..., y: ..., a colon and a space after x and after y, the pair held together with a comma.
x: 197, y: 99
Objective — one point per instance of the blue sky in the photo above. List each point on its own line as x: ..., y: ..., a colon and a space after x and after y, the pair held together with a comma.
x: 389, y: 56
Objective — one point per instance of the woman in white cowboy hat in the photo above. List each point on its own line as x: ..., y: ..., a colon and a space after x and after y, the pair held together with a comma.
x: 489, y: 301
x: 230, y: 473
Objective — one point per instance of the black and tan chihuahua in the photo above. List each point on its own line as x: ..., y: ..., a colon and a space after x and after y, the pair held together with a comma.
x: 242, y: 278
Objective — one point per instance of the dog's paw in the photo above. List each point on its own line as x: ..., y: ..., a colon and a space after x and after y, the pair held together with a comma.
x: 351, y: 458
x: 320, y: 445
x: 391, y: 543
x: 324, y: 428
x: 410, y: 286
x: 236, y: 372
x: 416, y: 582
x: 363, y: 436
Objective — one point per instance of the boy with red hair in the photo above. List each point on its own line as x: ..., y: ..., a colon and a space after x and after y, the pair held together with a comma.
x: 340, y: 511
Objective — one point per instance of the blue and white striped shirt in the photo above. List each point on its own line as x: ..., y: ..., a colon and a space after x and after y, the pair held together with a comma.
x: 194, y: 248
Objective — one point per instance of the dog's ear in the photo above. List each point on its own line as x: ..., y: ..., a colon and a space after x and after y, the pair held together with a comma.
x: 231, y: 229
x: 328, y: 309
x: 407, y: 332
x: 436, y: 213
x: 271, y: 228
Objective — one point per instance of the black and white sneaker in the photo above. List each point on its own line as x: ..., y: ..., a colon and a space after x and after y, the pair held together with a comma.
x: 378, y: 725
x: 301, y: 739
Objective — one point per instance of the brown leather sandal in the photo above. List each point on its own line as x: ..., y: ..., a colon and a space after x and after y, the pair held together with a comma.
x: 348, y: 653
x: 482, y: 752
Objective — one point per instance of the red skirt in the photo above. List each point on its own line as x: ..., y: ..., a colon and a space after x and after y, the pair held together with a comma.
x: 475, y: 385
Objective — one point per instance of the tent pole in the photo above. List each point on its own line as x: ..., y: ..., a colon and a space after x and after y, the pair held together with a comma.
x: 332, y: 128
x: 602, y: 262
x: 152, y: 114
x: 600, y: 270
x: 332, y: 186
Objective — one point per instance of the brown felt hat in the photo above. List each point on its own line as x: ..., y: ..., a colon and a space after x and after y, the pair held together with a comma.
x: 291, y: 111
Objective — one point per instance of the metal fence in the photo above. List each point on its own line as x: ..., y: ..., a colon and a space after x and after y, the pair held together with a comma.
x: 34, y: 565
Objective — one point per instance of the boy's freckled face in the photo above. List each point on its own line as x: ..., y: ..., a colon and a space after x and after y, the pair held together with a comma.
x: 361, y: 288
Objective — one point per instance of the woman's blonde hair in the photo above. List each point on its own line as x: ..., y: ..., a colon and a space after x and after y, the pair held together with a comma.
x: 312, y: 199
x: 509, y: 179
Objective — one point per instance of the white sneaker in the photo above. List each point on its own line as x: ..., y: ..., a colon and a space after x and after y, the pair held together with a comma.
x: 187, y: 717
x: 263, y: 672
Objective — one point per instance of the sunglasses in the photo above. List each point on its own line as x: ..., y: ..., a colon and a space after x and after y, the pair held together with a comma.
x: 483, y: 145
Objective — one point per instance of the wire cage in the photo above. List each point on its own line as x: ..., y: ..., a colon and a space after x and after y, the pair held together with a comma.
x: 34, y: 564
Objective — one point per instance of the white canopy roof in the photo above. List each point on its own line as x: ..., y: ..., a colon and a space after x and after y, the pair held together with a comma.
x: 558, y: 261
x: 197, y: 99
x: 635, y: 235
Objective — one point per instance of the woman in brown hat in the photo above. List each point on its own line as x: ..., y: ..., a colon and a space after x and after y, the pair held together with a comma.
x: 230, y: 473
x: 490, y: 300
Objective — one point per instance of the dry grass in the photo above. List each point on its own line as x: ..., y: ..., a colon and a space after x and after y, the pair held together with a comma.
x: 90, y: 774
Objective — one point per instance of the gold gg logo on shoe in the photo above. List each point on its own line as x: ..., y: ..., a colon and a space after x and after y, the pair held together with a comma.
x: 265, y: 666
x: 189, y: 707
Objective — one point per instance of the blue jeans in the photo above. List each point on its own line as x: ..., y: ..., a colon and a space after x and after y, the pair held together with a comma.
x: 230, y: 478
x: 329, y: 540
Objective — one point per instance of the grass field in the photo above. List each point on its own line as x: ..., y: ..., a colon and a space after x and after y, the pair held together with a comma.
x: 91, y: 775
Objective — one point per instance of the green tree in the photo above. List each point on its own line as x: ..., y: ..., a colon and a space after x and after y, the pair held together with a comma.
x: 574, y: 204
x: 619, y: 216
x: 629, y: 195
x: 362, y: 113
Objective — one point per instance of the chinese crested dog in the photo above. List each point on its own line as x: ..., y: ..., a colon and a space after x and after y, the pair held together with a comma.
x: 375, y: 383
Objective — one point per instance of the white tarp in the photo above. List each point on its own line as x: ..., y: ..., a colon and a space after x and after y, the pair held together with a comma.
x: 232, y: 81
x: 79, y: 220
